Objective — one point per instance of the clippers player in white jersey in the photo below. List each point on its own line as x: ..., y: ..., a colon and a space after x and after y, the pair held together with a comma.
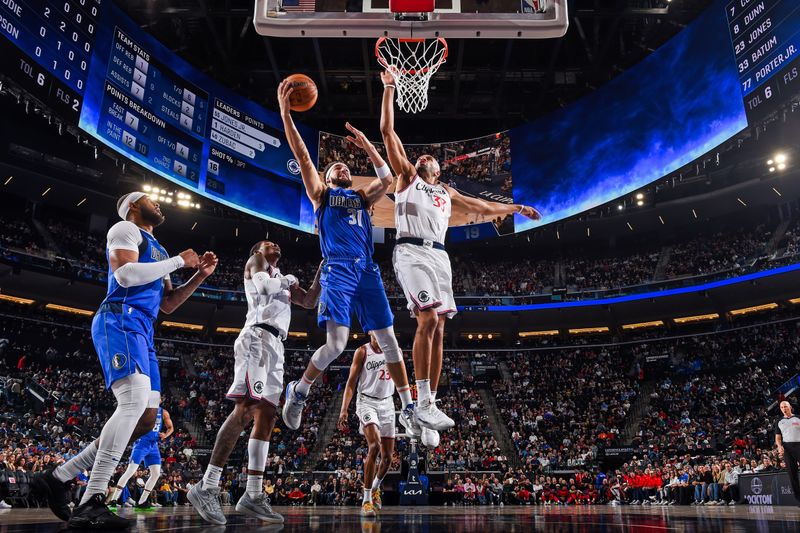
x: 422, y: 213
x: 257, y: 382
x: 375, y: 410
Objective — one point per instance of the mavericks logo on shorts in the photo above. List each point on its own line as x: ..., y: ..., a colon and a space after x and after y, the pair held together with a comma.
x: 423, y: 296
x: 119, y: 360
x: 258, y: 387
x: 321, y: 308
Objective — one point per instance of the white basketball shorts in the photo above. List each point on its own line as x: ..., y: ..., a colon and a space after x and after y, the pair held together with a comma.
x: 258, y: 368
x: 378, y: 412
x: 426, y: 278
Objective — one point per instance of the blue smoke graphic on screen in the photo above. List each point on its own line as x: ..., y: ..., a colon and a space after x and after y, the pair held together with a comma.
x: 677, y: 104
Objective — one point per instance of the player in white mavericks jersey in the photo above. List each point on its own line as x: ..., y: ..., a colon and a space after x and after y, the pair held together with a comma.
x: 422, y: 212
x: 257, y: 382
x: 375, y: 411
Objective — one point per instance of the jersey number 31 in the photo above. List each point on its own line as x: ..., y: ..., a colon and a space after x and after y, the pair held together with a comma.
x: 355, y: 217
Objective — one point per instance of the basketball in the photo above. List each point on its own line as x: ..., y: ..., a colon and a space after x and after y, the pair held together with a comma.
x: 305, y: 92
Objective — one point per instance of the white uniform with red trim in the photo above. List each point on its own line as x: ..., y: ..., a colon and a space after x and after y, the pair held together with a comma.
x: 258, y: 366
x: 422, y: 211
x: 374, y: 402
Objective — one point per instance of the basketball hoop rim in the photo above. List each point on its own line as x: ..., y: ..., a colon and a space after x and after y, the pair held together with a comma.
x: 411, y: 40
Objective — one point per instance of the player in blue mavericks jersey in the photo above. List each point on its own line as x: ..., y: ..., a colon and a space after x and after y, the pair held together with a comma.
x: 122, y: 332
x: 145, y: 450
x: 351, y: 282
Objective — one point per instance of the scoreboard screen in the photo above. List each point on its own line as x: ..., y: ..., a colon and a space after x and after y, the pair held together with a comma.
x: 766, y: 42
x: 97, y: 69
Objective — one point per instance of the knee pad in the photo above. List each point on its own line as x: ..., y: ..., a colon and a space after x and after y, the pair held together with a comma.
x: 388, y: 343
x: 333, y: 348
x: 155, y: 471
x: 132, y: 393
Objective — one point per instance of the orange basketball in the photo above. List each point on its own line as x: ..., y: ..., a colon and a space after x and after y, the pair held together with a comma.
x: 304, y: 95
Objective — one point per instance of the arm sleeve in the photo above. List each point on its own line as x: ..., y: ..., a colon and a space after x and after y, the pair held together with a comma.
x: 124, y: 236
x: 135, y: 274
x: 267, y: 285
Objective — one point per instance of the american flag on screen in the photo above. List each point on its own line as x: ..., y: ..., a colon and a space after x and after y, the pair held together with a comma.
x: 299, y: 5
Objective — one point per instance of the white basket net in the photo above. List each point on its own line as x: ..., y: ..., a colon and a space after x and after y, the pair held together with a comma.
x: 412, y: 62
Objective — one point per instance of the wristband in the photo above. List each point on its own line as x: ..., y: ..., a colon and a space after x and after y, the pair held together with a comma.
x: 383, y: 171
x: 389, y: 85
x: 521, y: 209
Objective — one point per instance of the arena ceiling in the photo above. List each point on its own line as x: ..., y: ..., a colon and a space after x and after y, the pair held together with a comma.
x: 486, y: 86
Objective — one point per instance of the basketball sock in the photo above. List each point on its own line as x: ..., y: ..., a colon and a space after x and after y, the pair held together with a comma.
x: 423, y: 392
x: 405, y: 396
x: 211, y: 477
x: 376, y: 483
x: 132, y: 393
x: 433, y: 396
x: 149, y: 485
x: 123, y: 480
x: 257, y: 452
x: 145, y: 495
x: 83, y: 461
x: 367, y: 496
x: 304, y: 385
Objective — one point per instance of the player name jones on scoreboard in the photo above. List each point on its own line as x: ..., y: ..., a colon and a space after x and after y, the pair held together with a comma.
x: 766, y: 41
x: 151, y: 113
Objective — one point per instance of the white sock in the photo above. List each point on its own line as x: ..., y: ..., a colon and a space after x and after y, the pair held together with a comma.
x: 304, y: 385
x: 423, y: 392
x: 144, y: 496
x: 367, y: 496
x: 132, y: 393
x: 257, y: 452
x: 211, y: 477
x: 376, y: 483
x: 83, y: 461
x: 123, y: 480
x: 405, y: 396
x: 150, y: 484
x: 433, y: 396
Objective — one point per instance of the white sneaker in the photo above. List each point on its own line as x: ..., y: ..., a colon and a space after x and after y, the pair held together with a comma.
x: 430, y: 438
x: 431, y: 417
x: 293, y: 407
x: 157, y: 505
x: 4, y: 505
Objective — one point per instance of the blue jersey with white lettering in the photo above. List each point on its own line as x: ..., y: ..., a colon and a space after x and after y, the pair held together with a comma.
x: 145, y: 298
x: 152, y: 435
x: 344, y: 224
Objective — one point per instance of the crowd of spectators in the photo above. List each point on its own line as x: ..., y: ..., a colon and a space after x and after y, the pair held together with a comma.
x: 717, y: 252
x: 579, y: 403
x: 589, y: 271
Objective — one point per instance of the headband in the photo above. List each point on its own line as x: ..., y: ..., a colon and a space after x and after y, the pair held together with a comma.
x: 125, y: 206
x: 330, y: 169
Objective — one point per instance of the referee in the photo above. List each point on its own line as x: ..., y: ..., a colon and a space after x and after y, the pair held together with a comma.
x: 787, y: 439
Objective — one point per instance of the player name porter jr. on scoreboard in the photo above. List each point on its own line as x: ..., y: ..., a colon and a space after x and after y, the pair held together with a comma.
x: 238, y: 131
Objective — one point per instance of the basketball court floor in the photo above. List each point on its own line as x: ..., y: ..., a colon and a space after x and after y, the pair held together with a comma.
x: 450, y: 519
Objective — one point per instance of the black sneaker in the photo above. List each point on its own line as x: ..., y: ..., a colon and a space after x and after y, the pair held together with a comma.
x: 95, y: 515
x: 146, y: 506
x: 54, y: 491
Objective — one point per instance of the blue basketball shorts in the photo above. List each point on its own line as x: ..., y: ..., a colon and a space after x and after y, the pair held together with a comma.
x: 123, y: 339
x: 146, y: 452
x: 353, y: 287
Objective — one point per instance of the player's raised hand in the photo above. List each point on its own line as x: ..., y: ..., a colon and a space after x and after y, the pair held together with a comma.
x: 208, y: 263
x: 190, y: 259
x: 530, y: 212
x: 285, y: 90
x: 387, y: 78
x: 342, y: 423
x: 358, y: 138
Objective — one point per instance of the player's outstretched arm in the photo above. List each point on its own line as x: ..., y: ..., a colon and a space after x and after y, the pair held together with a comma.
x: 168, y: 427
x: 375, y: 190
x: 308, y: 171
x: 307, y: 298
x: 493, y: 209
x: 173, y: 298
x: 350, y: 388
x: 394, y: 148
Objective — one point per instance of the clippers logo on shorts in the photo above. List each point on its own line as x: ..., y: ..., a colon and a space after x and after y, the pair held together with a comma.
x: 367, y: 418
x: 258, y: 386
x: 119, y: 360
x: 423, y: 296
